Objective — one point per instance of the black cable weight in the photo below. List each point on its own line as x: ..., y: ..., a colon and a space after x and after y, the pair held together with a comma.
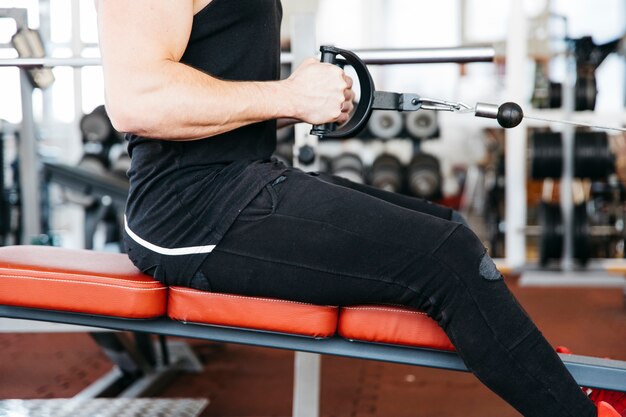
x: 551, y: 240
x: 592, y: 155
x: 546, y: 155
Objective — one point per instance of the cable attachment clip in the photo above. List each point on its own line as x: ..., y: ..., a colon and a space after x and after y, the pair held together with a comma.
x: 443, y: 105
x: 384, y: 100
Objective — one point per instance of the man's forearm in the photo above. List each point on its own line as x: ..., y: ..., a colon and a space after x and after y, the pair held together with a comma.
x: 176, y: 102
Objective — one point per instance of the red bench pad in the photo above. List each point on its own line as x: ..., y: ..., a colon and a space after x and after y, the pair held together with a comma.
x: 268, y: 314
x: 393, y: 325
x: 78, y: 281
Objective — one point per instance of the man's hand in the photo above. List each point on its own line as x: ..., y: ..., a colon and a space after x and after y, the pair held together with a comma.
x: 320, y: 93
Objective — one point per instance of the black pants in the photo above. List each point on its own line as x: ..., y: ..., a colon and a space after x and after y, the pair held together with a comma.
x: 323, y: 240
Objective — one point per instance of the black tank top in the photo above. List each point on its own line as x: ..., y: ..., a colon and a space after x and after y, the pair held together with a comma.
x: 184, y: 195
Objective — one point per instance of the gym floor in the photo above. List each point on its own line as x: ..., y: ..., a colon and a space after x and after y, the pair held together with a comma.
x: 246, y: 381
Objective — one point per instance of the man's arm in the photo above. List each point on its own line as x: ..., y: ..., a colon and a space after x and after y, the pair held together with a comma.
x: 150, y: 93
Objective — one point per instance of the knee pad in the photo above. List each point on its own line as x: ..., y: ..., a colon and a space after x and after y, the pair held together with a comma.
x: 464, y: 253
x: 487, y: 268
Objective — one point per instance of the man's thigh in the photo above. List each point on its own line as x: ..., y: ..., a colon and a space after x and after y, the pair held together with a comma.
x: 309, y: 240
x: 412, y: 203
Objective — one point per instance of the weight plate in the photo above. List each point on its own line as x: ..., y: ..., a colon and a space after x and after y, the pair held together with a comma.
x: 545, y: 155
x: 424, y: 176
x: 551, y: 240
x: 385, y: 124
x: 349, y: 166
x: 387, y: 173
x: 593, y: 158
x: 96, y: 126
x: 421, y: 124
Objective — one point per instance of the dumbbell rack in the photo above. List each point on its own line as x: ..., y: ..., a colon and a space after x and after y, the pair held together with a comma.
x: 569, y: 211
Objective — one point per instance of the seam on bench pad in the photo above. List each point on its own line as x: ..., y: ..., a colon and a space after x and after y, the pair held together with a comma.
x: 245, y: 297
x: 421, y: 313
x: 57, y: 274
x: 83, y: 282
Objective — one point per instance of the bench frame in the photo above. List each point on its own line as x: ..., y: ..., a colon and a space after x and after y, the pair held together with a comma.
x: 588, y: 371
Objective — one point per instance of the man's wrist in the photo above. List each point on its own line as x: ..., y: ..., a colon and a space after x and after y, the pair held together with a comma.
x: 284, y: 100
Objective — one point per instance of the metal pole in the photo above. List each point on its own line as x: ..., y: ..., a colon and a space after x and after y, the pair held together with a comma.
x: 515, y: 192
x: 29, y: 165
x: 47, y: 104
x: 567, y: 179
x: 464, y: 54
x: 303, y: 45
x: 463, y: 21
x: 77, y: 49
x: 20, y: 15
x: 49, y: 62
x: 306, y: 388
x: 458, y: 55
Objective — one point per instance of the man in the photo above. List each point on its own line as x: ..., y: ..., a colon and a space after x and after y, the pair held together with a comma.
x: 194, y: 82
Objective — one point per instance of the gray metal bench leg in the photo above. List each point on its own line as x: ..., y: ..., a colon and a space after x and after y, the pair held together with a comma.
x: 306, y: 385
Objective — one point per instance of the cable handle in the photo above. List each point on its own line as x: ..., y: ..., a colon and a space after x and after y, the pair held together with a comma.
x: 508, y: 114
x: 363, y: 110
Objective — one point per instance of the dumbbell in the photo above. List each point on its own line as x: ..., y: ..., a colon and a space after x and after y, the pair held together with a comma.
x: 424, y: 176
x: 119, y: 160
x: 422, y: 124
x: 385, y: 124
x: 348, y: 166
x: 387, y: 173
x: 96, y: 126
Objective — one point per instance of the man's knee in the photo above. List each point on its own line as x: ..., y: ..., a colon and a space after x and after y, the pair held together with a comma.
x: 487, y: 269
x: 464, y: 253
